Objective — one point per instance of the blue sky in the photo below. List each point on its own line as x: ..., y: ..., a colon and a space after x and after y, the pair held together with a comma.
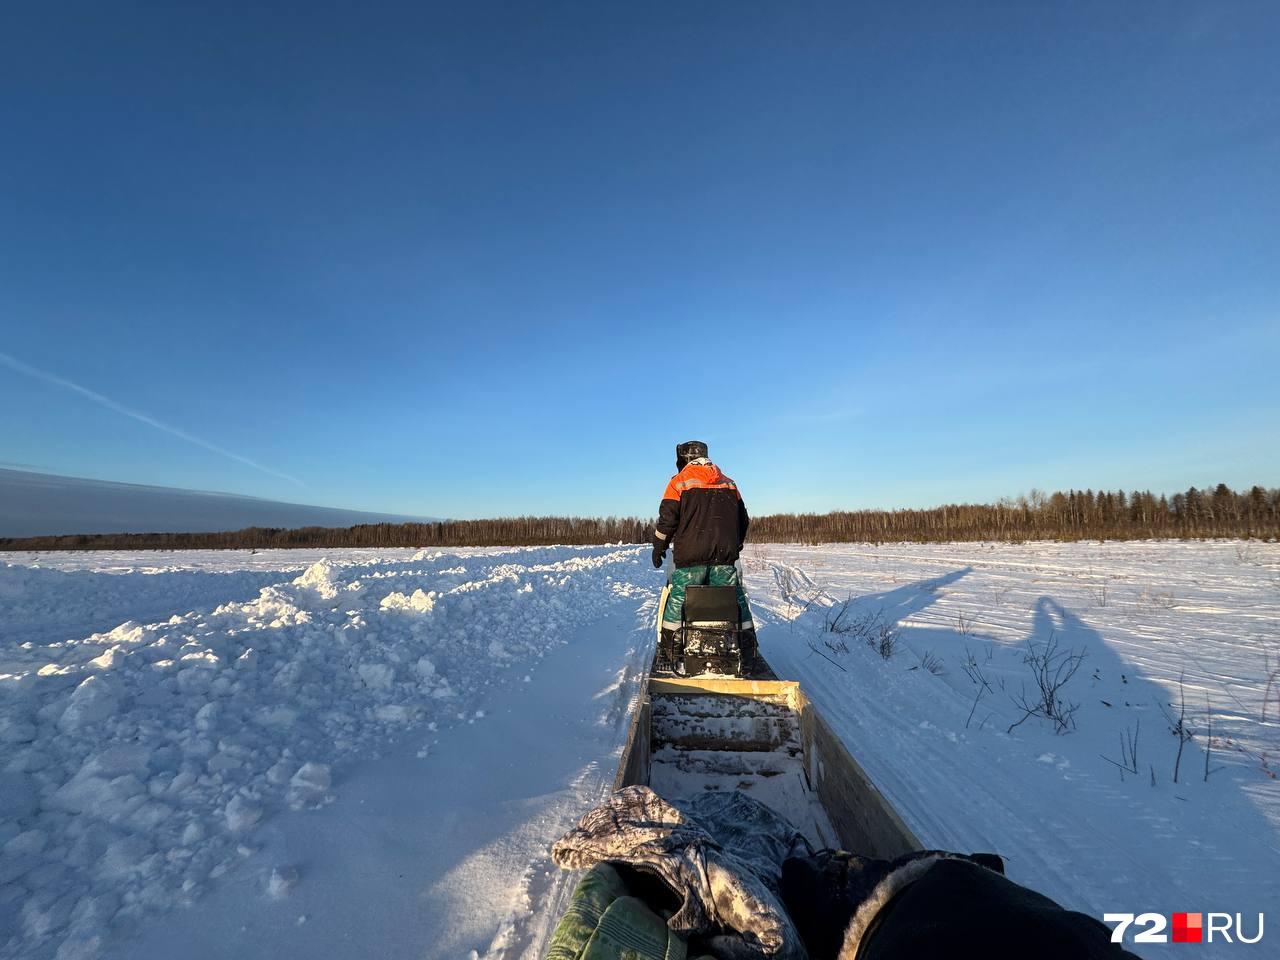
x: 483, y: 259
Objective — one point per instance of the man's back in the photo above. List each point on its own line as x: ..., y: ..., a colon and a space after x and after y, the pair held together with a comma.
x: 703, y: 513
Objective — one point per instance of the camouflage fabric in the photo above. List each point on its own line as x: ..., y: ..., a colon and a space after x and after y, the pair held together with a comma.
x: 712, y: 575
x: 722, y: 852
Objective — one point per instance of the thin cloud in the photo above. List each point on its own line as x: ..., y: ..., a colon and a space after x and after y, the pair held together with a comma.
x: 16, y: 364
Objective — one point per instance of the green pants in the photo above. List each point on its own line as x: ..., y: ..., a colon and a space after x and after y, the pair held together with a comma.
x: 719, y: 575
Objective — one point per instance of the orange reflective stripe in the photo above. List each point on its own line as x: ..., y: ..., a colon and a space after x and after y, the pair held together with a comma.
x: 703, y: 485
x: 698, y: 476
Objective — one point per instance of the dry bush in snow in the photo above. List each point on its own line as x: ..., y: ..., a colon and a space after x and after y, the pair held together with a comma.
x: 1052, y: 669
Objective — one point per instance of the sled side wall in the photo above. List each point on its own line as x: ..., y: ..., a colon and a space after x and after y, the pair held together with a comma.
x: 633, y: 766
x: 862, y: 817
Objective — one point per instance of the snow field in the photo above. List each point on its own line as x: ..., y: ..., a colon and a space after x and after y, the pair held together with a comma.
x: 358, y: 753
x: 931, y: 723
x: 140, y: 763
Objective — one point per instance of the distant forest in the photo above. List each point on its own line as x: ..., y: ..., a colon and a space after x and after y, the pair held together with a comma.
x: 1074, y: 515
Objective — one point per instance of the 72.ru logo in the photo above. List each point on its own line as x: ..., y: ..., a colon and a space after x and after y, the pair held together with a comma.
x: 1187, y: 927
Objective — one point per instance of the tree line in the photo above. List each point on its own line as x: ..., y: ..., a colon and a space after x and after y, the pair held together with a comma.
x: 1073, y: 515
x: 502, y: 532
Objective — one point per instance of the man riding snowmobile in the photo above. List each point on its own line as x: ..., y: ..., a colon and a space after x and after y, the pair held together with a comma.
x: 702, y: 513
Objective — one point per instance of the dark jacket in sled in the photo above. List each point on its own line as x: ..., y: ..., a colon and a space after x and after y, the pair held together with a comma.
x: 943, y: 906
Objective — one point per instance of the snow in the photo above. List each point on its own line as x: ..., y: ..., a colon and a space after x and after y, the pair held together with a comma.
x: 1069, y: 823
x: 282, y: 881
x: 757, y: 751
x: 352, y: 753
x: 259, y: 743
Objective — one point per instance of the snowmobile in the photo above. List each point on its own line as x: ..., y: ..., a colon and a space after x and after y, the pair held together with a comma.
x: 710, y: 639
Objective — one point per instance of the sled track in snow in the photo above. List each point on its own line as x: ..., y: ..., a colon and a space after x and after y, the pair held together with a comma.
x: 548, y: 889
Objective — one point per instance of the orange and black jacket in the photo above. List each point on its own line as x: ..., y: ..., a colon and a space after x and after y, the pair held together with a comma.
x: 702, y: 513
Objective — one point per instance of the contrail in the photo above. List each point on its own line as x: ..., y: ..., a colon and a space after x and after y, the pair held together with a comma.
x: 110, y: 404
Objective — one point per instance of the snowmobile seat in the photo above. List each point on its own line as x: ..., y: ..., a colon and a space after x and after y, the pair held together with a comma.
x: 710, y: 637
x: 711, y: 605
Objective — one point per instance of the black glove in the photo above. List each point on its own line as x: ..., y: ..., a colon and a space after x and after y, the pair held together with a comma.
x: 659, y: 551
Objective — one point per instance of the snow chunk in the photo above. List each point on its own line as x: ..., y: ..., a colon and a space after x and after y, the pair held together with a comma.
x: 309, y: 784
x: 418, y: 602
x: 109, y: 659
x: 207, y: 716
x: 241, y: 814
x: 17, y: 730
x: 129, y: 633
x: 119, y: 759
x: 92, y: 702
x: 395, y: 713
x: 80, y: 794
x: 125, y: 858
x: 282, y: 881
x: 276, y: 716
x: 319, y: 577
x: 376, y: 676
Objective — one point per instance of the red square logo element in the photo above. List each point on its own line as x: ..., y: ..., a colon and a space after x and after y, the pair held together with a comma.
x: 1187, y: 927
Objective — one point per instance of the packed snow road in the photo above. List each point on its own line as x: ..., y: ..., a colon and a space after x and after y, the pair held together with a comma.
x: 368, y: 753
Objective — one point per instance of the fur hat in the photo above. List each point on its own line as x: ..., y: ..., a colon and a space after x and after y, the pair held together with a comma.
x: 689, y: 450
